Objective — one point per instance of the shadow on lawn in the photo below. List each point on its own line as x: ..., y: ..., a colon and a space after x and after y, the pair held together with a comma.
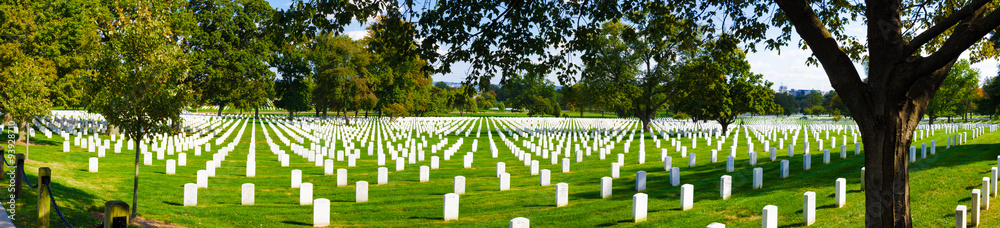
x: 69, y: 201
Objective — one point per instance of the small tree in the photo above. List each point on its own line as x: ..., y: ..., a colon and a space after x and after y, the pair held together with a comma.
x: 139, y: 85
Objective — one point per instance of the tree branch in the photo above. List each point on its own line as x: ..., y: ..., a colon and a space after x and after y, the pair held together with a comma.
x: 966, y: 34
x: 944, y: 25
x: 837, y: 65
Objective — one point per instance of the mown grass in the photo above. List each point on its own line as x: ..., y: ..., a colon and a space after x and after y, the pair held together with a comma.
x: 938, y: 184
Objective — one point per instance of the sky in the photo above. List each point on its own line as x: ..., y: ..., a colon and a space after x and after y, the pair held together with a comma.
x: 786, y: 68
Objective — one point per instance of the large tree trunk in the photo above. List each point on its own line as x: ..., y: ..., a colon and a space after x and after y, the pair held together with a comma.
x: 256, y: 113
x: 221, y: 106
x: 22, y: 132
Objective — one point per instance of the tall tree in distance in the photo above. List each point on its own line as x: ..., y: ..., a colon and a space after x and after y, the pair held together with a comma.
x: 139, y: 85
x: 230, y: 66
x: 719, y: 85
x: 955, y: 91
x: 398, y: 69
x: 340, y: 73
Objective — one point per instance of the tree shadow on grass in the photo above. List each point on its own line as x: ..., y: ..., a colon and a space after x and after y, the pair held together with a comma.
x: 427, y: 218
x: 172, y: 203
x: 296, y: 223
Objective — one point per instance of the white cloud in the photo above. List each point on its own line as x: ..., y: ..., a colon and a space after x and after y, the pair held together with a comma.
x: 356, y: 35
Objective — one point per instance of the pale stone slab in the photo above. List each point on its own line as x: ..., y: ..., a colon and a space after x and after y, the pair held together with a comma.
x: 425, y: 173
x: 726, y: 186
x: 545, y: 177
x: 562, y: 194
x: 615, y: 169
x: 306, y: 194
x: 520, y: 222
x: 841, y: 192
x: 202, y: 179
x: 809, y: 208
x: 459, y: 185
x: 248, y: 193
x: 171, y: 167
x: 687, y: 196
x: 190, y: 195
x: 93, y: 165
x: 639, y: 206
x: 730, y: 164
x: 504, y: 181
x: 806, y: 161
x: 640, y: 181
x: 758, y: 178
x: 321, y: 212
x: 960, y: 216
x: 341, y: 177
x: 784, y: 169
x: 450, y: 206
x: 770, y: 216
x: 383, y: 175
x: 605, y: 187
x: 361, y: 192
x: 675, y: 176
x: 296, y: 178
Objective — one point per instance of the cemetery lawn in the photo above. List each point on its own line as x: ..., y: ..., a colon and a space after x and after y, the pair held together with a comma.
x: 937, y: 185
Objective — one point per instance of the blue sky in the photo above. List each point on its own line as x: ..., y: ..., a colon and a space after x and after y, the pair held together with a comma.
x: 787, y: 68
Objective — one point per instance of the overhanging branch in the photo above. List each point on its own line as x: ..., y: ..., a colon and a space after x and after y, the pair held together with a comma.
x: 965, y: 35
x: 942, y: 26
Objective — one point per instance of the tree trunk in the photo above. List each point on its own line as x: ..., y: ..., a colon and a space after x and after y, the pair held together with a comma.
x: 725, y: 127
x: 347, y: 121
x: 135, y: 180
x: 22, y: 132
x: 256, y: 113
x: 291, y: 115
x: 324, y: 114
x: 645, y: 122
x: 220, y: 108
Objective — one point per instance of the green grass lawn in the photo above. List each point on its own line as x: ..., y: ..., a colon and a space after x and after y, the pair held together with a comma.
x: 938, y: 184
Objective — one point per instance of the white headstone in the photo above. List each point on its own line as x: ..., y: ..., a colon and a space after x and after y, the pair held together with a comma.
x: 562, y: 194
x: 520, y: 222
x: 435, y: 162
x: 639, y: 205
x: 202, y: 179
x: 986, y: 193
x: 545, y: 177
x: 565, y: 165
x: 383, y: 175
x: 675, y: 176
x: 806, y: 162
x: 784, y: 169
x: 974, y: 210
x: 730, y: 164
x: 450, y: 206
x: 841, y: 194
x: 306, y: 194
x: 960, y: 216
x: 826, y: 156
x: 809, y: 208
x: 296, y: 178
x: 770, y: 216
x: 716, y: 225
x: 248, y: 193
x: 328, y: 167
x: 605, y: 187
x: 93, y: 164
x: 171, y: 167
x: 758, y: 178
x: 321, y: 212
x: 361, y: 192
x: 640, y: 181
x: 615, y: 169
x: 534, y: 167
x: 687, y: 196
x: 341, y: 177
x: 459, y: 185
x: 400, y: 164
x: 425, y: 173
x: 182, y: 159
x: 504, y: 181
x: 726, y: 186
x: 147, y: 159
x: 667, y: 163
x: 190, y: 194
